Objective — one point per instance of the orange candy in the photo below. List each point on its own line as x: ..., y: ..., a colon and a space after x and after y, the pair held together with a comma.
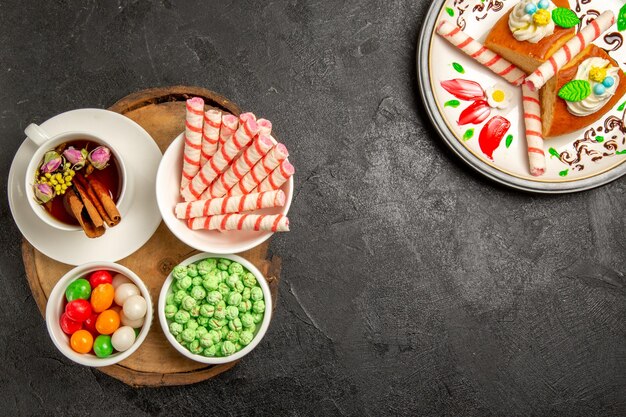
x: 81, y: 341
x: 102, y: 297
x: 108, y: 322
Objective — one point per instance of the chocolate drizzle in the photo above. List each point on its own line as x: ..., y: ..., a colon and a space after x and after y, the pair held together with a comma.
x: 579, y: 2
x: 587, y: 17
x: 615, y: 40
x: 481, y: 10
x: 484, y: 8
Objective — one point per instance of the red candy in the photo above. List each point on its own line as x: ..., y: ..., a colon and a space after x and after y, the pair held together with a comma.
x: 90, y: 324
x: 68, y: 325
x: 100, y: 277
x: 78, y: 310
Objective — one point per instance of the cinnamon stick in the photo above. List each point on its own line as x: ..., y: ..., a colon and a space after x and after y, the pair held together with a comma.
x: 94, y: 199
x: 107, y: 202
x: 89, y: 205
x: 74, y: 205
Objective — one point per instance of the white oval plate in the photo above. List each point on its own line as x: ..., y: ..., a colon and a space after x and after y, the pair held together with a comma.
x: 600, y: 161
x: 212, y: 241
x: 142, y: 155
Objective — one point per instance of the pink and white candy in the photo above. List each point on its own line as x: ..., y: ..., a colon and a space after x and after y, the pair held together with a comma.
x: 534, y: 136
x: 193, y: 139
x: 260, y: 170
x: 567, y: 52
x: 228, y: 128
x: 210, y: 134
x: 224, y: 205
x: 480, y: 53
x: 257, y: 222
x: 277, y: 177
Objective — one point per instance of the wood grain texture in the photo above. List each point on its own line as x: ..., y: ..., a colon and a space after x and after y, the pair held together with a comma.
x: 161, y: 111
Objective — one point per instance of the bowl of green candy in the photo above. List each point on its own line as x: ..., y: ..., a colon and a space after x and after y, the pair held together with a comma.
x: 215, y: 308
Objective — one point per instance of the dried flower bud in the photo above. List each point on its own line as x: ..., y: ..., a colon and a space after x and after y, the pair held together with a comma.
x: 51, y: 162
x: 78, y: 158
x: 43, y: 193
x: 99, y: 157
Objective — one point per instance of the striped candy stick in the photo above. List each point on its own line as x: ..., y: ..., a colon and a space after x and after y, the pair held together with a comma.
x: 480, y: 53
x: 567, y: 52
x: 534, y: 137
x: 260, y: 146
x: 229, y: 126
x: 257, y: 222
x: 260, y: 170
x: 276, y: 178
x: 210, y: 134
x: 193, y: 139
x: 265, y: 127
x: 224, y: 205
x: 225, y: 154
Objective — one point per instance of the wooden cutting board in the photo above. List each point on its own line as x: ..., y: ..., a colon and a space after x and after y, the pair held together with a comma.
x: 161, y: 111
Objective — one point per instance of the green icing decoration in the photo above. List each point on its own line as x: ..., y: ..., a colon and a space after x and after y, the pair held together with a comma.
x: 452, y: 103
x: 622, y: 152
x: 450, y: 11
x: 509, y: 140
x: 468, y: 134
x: 564, y: 17
x: 458, y: 68
x: 575, y: 90
x: 621, y: 19
x: 622, y: 106
x: 600, y: 139
x: 553, y: 152
x: 564, y: 173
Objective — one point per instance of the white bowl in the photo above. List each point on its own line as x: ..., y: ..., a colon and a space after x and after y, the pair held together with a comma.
x: 267, y: 296
x: 213, y: 241
x: 55, y: 308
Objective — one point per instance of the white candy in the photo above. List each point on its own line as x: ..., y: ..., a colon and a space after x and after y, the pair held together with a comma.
x: 120, y: 279
x: 123, y: 338
x: 124, y: 291
x: 135, y: 324
x: 135, y: 307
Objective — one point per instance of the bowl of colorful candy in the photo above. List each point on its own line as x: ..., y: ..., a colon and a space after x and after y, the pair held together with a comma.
x: 215, y: 308
x: 99, y: 313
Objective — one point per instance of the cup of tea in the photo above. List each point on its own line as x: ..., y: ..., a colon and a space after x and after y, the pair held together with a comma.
x: 54, y: 212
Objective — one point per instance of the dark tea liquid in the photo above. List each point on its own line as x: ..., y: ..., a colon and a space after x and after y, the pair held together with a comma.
x: 109, y: 177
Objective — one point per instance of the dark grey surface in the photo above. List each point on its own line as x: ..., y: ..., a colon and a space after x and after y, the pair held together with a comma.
x: 410, y: 286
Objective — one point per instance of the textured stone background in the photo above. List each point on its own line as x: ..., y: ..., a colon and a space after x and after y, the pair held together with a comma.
x: 410, y: 285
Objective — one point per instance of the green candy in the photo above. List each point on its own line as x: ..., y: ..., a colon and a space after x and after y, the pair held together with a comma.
x: 245, y: 293
x: 192, y: 271
x: 220, y: 312
x: 249, y: 280
x: 194, y: 347
x: 175, y: 286
x: 232, y: 313
x: 179, y: 338
x: 179, y: 272
x: 258, y: 306
x: 235, y: 268
x: 232, y: 336
x: 238, y: 346
x: 206, y: 340
x: 188, y: 335
x: 258, y: 318
x: 79, y: 289
x: 234, y: 298
x: 207, y: 310
x: 245, y: 337
x: 256, y: 294
x: 196, y: 281
x: 224, y: 332
x: 176, y: 328
x: 215, y: 324
x: 215, y: 336
x: 232, y: 280
x: 211, y: 282
x: 203, y: 321
x: 206, y: 265
x: 198, y: 292
x: 170, y: 311
x: 239, y: 287
x: 250, y: 328
x: 102, y: 346
x: 178, y: 297
x: 188, y: 303
x: 247, y: 320
x: 210, y: 352
x: 224, y: 289
x: 201, y: 331
x: 245, y: 305
x: 191, y: 324
x: 182, y: 317
x: 185, y: 283
x: 195, y: 311
x: 218, y: 350
x: 170, y: 299
x: 214, y: 297
x: 228, y: 348
x: 235, y: 325
x: 223, y: 275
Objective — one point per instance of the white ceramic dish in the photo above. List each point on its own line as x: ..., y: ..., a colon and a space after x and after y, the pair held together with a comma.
x: 575, y: 162
x: 55, y: 308
x: 168, y: 195
x: 45, y: 143
x: 142, y: 157
x: 267, y: 296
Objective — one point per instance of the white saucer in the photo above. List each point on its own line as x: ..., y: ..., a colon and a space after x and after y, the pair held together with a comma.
x: 142, y: 156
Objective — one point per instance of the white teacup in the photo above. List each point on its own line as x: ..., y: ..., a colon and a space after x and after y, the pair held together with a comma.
x: 44, y: 143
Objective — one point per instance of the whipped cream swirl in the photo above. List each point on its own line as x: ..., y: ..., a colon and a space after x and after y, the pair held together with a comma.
x: 523, y: 26
x: 594, y: 102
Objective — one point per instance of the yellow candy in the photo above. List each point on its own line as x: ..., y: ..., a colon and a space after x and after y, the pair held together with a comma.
x: 541, y: 17
x: 597, y: 74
